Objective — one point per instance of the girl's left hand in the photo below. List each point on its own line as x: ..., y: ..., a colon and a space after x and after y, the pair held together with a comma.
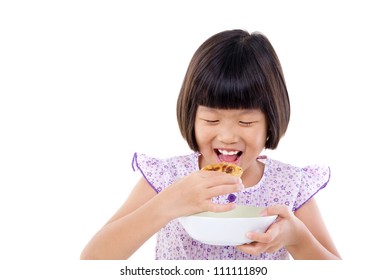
x: 283, y: 232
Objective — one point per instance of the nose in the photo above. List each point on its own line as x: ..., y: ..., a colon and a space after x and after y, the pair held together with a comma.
x: 227, y: 135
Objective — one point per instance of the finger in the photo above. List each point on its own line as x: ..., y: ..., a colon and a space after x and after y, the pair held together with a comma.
x: 257, y: 248
x: 272, y: 249
x: 219, y: 177
x: 213, y: 207
x: 224, y: 189
x: 280, y: 210
x: 259, y: 237
x: 252, y: 248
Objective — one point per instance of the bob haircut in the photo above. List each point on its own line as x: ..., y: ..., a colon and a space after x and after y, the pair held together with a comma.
x: 235, y: 70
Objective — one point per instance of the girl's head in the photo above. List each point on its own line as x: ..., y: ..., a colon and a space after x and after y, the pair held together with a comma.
x: 235, y: 70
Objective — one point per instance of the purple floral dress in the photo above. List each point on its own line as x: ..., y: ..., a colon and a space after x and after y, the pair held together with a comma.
x: 280, y: 184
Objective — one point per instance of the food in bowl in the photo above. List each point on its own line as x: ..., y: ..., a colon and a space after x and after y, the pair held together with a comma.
x: 226, y: 228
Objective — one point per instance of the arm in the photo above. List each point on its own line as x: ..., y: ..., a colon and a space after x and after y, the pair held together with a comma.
x: 315, y: 241
x: 145, y: 212
x: 119, y: 238
x: 303, y: 234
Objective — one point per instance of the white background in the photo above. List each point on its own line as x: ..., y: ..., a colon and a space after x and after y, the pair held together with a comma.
x: 85, y: 84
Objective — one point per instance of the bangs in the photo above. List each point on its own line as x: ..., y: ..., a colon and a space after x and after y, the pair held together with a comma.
x: 233, y: 80
x: 226, y: 93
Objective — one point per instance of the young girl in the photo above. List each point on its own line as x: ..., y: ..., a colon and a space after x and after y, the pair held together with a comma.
x: 232, y: 105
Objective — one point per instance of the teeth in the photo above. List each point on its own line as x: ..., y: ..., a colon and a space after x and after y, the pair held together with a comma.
x: 228, y: 153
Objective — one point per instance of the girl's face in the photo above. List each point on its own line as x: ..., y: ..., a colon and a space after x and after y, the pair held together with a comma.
x: 237, y: 136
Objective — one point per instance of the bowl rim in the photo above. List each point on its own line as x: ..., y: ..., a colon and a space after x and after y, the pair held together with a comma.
x: 224, y: 215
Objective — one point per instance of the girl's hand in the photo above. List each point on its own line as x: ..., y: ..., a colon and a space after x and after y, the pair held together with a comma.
x: 283, y: 232
x: 194, y: 193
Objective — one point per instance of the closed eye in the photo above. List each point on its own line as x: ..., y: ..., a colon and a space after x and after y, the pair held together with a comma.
x: 246, y: 123
x: 211, y: 122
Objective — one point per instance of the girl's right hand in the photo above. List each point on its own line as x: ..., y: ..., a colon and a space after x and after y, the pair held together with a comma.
x: 193, y: 193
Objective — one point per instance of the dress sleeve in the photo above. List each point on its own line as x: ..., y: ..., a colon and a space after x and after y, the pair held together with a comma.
x: 313, y: 179
x: 150, y: 168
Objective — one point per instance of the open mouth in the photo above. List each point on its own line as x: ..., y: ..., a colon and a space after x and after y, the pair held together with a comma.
x: 228, y: 155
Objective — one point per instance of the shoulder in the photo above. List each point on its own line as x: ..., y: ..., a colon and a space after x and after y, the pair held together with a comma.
x: 279, y: 170
x: 314, y: 172
x: 302, y: 183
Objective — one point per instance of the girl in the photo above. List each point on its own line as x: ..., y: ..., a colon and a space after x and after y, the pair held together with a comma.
x: 232, y: 105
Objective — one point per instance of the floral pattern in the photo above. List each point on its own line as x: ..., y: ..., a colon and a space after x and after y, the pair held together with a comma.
x: 280, y: 184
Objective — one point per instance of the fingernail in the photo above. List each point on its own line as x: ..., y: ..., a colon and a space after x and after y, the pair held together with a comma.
x: 249, y: 235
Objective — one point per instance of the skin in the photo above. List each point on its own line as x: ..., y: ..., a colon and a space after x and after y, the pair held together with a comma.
x: 144, y: 213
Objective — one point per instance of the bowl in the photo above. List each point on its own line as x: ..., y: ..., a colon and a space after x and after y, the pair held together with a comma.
x: 226, y: 228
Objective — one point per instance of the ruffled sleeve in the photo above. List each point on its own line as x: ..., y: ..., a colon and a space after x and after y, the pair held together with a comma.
x: 161, y: 173
x: 148, y: 167
x: 313, y: 179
